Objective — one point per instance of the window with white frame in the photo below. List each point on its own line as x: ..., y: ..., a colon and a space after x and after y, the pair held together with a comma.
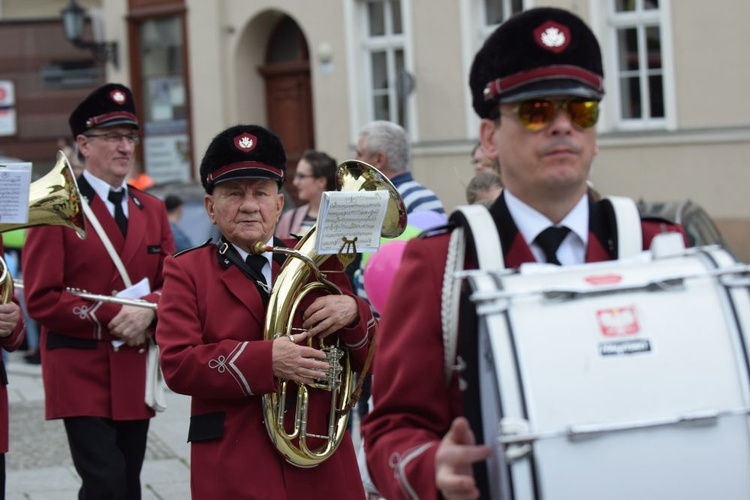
x: 636, y: 33
x: 482, y: 18
x: 389, y: 82
x: 494, y: 12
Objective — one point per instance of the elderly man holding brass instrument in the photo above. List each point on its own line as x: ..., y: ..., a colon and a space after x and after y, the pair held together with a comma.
x: 94, y: 352
x: 221, y: 345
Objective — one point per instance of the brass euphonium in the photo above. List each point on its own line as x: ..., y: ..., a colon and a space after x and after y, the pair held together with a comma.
x: 54, y: 200
x: 299, y: 276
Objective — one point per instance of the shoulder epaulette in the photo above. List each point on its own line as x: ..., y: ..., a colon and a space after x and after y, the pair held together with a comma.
x: 177, y: 254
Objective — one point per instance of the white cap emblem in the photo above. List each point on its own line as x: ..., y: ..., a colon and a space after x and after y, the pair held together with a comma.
x: 553, y: 37
x: 118, y: 96
x: 245, y: 142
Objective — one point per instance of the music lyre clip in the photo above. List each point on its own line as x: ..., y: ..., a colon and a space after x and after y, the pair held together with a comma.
x: 347, y: 251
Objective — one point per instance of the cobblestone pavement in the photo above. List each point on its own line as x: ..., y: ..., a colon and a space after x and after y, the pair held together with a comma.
x: 38, y: 443
x: 35, y: 443
x: 39, y: 467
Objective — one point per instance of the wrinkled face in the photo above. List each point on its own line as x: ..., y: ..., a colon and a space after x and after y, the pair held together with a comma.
x: 308, y: 186
x: 540, y: 165
x: 109, y: 152
x: 245, y: 210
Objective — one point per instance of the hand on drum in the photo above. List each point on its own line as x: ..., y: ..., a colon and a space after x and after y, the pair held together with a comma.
x: 329, y: 314
x: 453, y: 462
x: 299, y: 363
x: 9, y: 314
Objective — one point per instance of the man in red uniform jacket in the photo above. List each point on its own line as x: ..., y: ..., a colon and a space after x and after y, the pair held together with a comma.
x: 94, y: 353
x: 536, y: 85
x: 11, y: 336
x: 211, y: 332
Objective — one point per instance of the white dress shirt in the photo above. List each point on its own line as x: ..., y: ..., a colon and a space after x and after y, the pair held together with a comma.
x: 266, y: 255
x: 530, y: 223
x: 102, y: 190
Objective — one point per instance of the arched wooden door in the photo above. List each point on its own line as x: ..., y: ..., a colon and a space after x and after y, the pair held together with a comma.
x: 288, y: 93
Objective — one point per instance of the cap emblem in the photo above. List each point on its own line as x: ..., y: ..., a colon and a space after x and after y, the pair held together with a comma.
x: 118, y: 97
x: 245, y: 142
x: 552, y: 36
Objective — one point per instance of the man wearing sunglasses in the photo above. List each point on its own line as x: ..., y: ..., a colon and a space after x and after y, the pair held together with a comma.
x: 94, y: 353
x: 536, y: 86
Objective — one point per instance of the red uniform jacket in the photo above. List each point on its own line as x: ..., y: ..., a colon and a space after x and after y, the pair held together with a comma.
x: 83, y: 374
x: 213, y: 349
x: 413, y: 408
x: 9, y: 343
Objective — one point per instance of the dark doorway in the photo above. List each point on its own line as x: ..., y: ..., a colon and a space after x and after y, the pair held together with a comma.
x: 288, y: 93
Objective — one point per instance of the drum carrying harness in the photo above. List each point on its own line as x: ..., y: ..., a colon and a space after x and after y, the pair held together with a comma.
x: 471, y: 220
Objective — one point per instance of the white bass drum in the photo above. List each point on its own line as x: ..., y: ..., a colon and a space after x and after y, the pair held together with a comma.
x: 617, y: 380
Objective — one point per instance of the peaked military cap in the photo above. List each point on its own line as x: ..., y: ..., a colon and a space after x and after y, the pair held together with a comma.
x: 243, y: 152
x: 538, y: 52
x: 109, y: 105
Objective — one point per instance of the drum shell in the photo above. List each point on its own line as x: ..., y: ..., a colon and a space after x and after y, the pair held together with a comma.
x: 624, y: 360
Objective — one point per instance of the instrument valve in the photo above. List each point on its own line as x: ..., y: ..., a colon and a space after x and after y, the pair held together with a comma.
x: 333, y: 375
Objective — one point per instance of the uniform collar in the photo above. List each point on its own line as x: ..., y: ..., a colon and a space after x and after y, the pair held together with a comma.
x: 530, y: 222
x: 265, y: 255
x: 100, y: 187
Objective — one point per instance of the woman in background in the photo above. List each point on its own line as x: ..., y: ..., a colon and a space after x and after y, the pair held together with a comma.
x: 316, y: 172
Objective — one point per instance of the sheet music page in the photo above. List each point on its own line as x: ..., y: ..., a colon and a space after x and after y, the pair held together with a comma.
x: 350, y: 216
x: 136, y: 290
x: 15, y: 182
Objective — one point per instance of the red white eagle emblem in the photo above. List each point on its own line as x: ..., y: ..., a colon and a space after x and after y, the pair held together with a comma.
x: 245, y: 142
x: 118, y: 97
x: 552, y: 36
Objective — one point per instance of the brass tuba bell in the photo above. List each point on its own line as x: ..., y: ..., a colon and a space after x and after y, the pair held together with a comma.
x: 291, y: 286
x: 54, y: 200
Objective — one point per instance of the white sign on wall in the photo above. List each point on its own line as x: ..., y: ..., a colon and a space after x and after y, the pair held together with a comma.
x: 166, y: 158
x: 7, y: 108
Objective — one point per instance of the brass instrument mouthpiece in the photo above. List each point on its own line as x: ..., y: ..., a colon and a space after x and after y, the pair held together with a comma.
x: 259, y: 248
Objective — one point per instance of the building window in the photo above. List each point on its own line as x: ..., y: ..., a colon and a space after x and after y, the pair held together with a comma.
x: 388, y: 81
x: 494, y: 12
x: 165, y: 122
x: 636, y: 30
x: 71, y: 75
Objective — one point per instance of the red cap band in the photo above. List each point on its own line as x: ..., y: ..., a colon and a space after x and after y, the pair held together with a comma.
x: 274, y: 172
x: 96, y: 120
x: 497, y: 88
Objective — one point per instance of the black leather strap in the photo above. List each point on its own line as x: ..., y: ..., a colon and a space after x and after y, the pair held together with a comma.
x: 226, y: 250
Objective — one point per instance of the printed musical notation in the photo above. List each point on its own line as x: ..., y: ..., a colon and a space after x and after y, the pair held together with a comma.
x: 345, y: 217
x: 15, y: 182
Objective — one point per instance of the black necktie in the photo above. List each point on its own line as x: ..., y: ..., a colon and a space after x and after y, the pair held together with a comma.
x: 256, y: 263
x: 549, y: 241
x: 122, y: 221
